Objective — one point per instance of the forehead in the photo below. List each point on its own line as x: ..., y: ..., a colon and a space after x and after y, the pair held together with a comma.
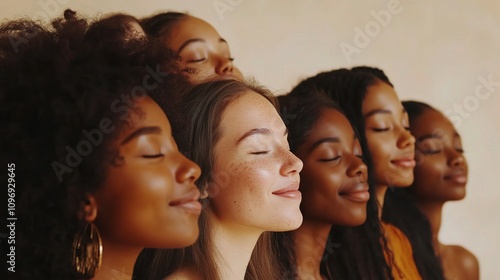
x: 190, y: 28
x: 331, y: 123
x: 248, y: 111
x: 380, y: 95
x: 146, y: 113
x: 431, y: 121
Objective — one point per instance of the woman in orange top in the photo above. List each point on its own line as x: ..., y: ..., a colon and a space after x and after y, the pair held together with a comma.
x: 374, y: 109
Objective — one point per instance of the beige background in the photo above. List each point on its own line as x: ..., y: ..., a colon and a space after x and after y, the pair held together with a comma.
x: 435, y: 51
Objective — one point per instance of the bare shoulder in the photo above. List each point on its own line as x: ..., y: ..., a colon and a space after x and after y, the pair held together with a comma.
x: 183, y: 274
x: 463, y: 258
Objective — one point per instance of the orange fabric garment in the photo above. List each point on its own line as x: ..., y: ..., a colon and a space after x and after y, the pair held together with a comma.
x: 403, y: 265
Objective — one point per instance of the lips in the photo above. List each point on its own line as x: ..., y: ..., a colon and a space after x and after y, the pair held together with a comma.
x: 357, y: 192
x: 189, y: 202
x: 405, y: 162
x: 291, y: 191
x: 457, y: 177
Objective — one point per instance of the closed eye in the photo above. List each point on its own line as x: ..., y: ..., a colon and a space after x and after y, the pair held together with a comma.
x: 260, y: 153
x: 153, y: 156
x: 380, y: 129
x: 330, y: 159
x: 196, y: 60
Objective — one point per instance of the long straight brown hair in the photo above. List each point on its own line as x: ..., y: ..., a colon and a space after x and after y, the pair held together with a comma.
x: 203, y: 106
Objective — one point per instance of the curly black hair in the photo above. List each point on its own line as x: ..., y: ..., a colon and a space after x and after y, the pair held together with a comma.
x: 62, y: 107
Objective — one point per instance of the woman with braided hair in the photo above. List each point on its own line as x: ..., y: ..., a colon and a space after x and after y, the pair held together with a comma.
x: 376, y: 250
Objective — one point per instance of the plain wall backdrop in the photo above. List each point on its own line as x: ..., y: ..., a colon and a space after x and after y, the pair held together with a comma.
x: 446, y: 53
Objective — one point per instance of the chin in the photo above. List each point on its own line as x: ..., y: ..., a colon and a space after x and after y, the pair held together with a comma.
x: 290, y: 222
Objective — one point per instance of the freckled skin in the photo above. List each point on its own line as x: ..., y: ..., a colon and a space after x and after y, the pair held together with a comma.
x: 394, y: 143
x: 211, y: 57
x: 133, y: 206
x: 245, y: 198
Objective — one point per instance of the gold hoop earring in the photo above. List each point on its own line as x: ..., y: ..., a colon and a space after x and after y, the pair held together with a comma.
x: 87, y: 251
x: 204, y: 194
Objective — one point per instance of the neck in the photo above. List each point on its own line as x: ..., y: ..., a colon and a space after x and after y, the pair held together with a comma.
x: 380, y: 191
x: 310, y: 240
x: 433, y: 211
x: 234, y: 245
x: 117, y: 261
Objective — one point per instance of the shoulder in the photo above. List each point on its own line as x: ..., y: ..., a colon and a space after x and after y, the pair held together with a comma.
x: 463, y: 258
x: 183, y: 274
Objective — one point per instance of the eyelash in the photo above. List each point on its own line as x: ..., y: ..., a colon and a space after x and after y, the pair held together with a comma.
x: 202, y: 59
x: 260, y: 153
x: 196, y: 60
x: 153, y: 156
x: 380, y: 129
x: 330, y: 159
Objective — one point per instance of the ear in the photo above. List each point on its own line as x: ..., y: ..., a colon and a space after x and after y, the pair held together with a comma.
x: 88, y: 210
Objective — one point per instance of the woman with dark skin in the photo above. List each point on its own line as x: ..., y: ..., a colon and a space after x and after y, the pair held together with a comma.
x: 440, y: 176
x: 203, y: 53
x: 97, y: 179
x: 373, y: 108
x: 333, y: 181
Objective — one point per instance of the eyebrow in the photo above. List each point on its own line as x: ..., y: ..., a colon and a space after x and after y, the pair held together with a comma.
x: 262, y: 131
x: 196, y: 40
x: 434, y: 136
x: 380, y: 111
x: 141, y: 131
x: 324, y: 140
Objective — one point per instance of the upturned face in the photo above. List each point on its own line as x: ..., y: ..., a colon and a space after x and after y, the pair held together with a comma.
x: 149, y: 198
x: 203, y: 49
x: 334, y: 178
x: 255, y: 176
x: 441, y: 170
x: 388, y: 137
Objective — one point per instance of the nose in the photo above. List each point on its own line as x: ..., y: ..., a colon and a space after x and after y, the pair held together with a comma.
x: 188, y: 171
x: 224, y: 66
x: 456, y: 159
x: 405, y: 139
x: 357, y: 168
x: 292, y: 164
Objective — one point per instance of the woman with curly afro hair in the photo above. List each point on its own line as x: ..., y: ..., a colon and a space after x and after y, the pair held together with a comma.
x: 98, y: 176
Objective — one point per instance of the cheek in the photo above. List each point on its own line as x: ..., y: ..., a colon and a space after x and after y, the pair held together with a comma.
x: 429, y: 171
x: 320, y: 181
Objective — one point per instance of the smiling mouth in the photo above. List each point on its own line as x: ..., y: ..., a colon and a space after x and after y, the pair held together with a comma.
x: 356, y: 193
x: 291, y: 191
x: 189, y: 203
x: 459, y: 178
x: 408, y: 162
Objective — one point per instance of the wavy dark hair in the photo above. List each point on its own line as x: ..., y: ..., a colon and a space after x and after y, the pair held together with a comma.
x: 361, y: 249
x: 202, y: 106
x: 54, y: 87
